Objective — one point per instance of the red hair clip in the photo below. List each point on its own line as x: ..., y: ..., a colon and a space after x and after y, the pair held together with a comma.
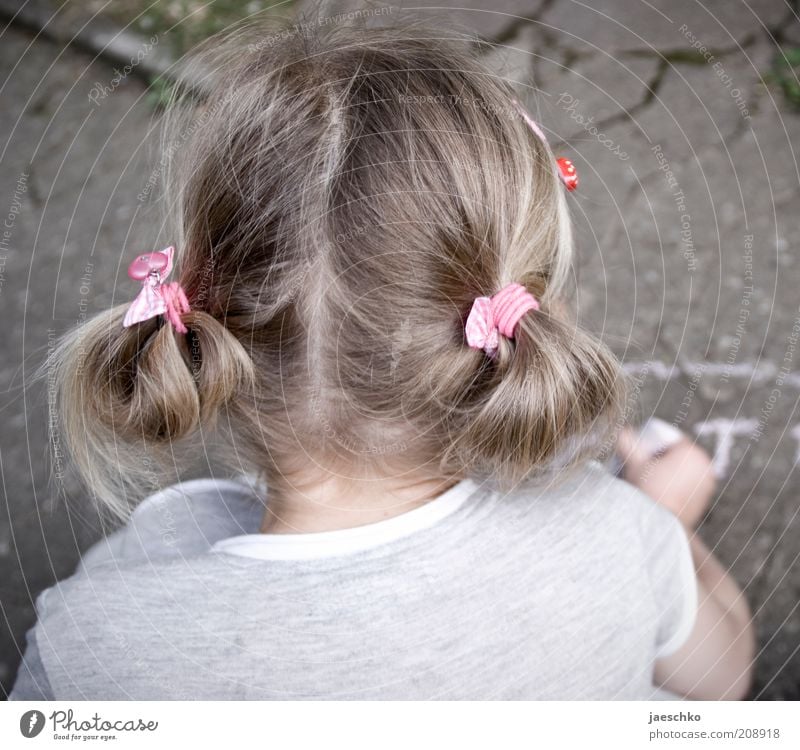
x: 566, y: 169
x: 569, y: 176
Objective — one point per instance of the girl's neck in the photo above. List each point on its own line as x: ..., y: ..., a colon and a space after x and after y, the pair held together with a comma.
x: 336, y: 502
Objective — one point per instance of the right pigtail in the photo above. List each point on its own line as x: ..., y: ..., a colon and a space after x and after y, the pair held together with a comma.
x: 550, y: 397
x: 127, y: 398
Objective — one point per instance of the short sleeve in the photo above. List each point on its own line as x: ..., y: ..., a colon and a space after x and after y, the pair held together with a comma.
x: 182, y: 519
x: 673, y: 581
x: 32, y: 683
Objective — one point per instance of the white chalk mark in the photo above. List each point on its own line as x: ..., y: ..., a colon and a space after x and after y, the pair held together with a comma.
x: 795, y: 433
x: 725, y: 430
x: 763, y: 372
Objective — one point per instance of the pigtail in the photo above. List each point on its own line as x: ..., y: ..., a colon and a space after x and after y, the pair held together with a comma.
x: 128, y: 397
x: 549, y: 398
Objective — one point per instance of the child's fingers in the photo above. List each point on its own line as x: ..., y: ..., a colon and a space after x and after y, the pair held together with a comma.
x: 636, y: 448
x: 682, y: 479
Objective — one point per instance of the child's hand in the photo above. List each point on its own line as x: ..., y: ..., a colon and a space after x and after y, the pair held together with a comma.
x: 681, y: 477
x: 716, y: 662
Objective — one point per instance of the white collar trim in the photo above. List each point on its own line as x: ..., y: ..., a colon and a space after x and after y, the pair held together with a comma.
x: 345, y: 541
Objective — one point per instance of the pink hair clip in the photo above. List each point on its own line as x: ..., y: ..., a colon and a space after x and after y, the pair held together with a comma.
x: 566, y: 169
x: 156, y: 298
x: 493, y: 316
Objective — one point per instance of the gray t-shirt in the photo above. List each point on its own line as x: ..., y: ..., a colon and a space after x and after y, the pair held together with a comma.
x: 551, y: 592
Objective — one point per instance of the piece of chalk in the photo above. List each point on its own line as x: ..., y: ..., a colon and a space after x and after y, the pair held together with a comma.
x: 656, y: 435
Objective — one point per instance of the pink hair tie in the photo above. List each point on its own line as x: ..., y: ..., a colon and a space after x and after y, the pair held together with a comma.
x: 492, y: 316
x: 156, y: 298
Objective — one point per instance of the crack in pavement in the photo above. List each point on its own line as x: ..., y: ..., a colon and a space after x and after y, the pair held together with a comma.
x: 666, y: 62
x: 681, y: 55
x: 515, y: 27
x: 651, y: 89
x: 777, y: 34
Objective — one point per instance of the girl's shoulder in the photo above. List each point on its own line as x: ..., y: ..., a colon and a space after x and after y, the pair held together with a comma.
x: 183, y: 519
x: 606, y: 521
x: 590, y: 493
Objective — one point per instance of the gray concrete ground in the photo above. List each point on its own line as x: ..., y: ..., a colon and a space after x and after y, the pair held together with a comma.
x: 687, y: 218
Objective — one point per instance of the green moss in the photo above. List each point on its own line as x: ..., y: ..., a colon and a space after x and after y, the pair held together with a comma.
x: 785, y: 73
x: 160, y: 92
x: 180, y: 23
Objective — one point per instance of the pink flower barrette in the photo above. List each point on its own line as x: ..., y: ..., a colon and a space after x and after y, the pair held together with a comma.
x: 156, y: 298
x: 491, y: 317
x: 566, y: 169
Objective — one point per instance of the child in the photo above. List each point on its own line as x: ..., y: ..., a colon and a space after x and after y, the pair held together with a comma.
x: 371, y: 245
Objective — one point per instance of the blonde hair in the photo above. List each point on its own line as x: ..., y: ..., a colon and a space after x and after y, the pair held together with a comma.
x: 340, y: 200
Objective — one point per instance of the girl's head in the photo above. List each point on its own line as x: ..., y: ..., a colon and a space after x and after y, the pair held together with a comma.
x: 339, y: 202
